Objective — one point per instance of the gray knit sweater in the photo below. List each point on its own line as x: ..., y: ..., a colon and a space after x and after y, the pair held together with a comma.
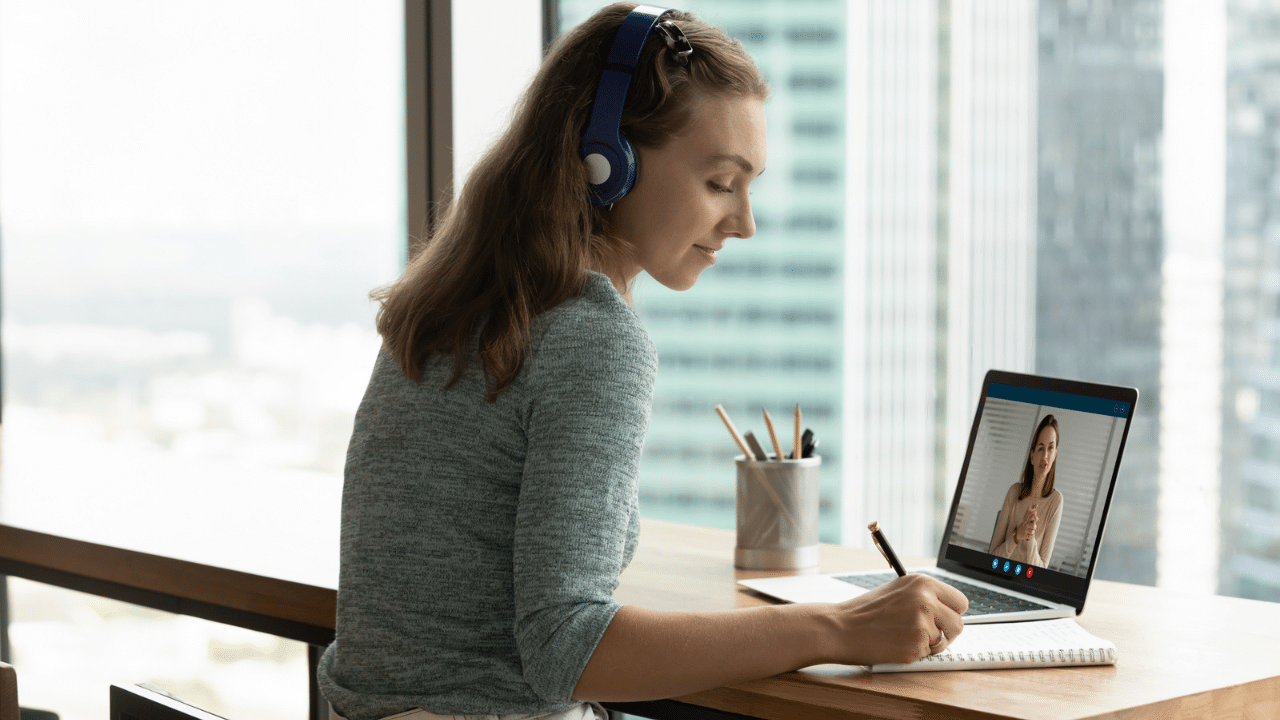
x: 482, y: 542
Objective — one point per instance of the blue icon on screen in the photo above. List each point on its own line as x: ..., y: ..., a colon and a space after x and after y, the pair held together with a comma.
x: 1006, y: 566
x: 995, y: 563
x: 1018, y: 570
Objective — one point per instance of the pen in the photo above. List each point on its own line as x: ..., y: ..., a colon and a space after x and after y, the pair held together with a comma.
x: 883, y: 545
x: 795, y: 453
x: 742, y: 445
x: 773, y: 435
x: 757, y: 452
x: 807, y: 443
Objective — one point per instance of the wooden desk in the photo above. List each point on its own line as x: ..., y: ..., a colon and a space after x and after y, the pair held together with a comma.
x: 1180, y: 656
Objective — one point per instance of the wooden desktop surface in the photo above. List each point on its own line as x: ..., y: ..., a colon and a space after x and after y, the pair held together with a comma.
x: 1179, y: 656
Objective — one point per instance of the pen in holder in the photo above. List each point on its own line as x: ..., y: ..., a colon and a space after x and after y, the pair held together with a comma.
x: 777, y: 514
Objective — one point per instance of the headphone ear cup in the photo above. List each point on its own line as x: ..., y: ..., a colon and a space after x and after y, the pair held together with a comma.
x: 612, y: 169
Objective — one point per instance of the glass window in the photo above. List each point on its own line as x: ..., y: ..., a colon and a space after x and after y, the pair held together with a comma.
x: 197, y: 199
x: 1077, y: 189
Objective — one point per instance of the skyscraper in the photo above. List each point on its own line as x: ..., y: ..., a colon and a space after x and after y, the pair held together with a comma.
x: 1100, y: 243
x: 1250, y: 565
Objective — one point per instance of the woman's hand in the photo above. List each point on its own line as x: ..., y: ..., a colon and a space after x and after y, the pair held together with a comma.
x: 899, y: 622
x: 1027, y: 529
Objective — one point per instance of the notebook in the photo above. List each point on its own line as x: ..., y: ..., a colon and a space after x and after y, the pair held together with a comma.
x: 1039, y: 643
x: 1092, y: 427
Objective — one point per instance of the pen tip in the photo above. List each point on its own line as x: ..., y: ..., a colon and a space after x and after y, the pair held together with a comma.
x: 874, y: 526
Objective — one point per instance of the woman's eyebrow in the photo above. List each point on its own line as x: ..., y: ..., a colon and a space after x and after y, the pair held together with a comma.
x: 736, y: 159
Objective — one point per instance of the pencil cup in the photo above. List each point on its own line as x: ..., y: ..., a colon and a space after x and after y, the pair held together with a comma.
x: 777, y: 514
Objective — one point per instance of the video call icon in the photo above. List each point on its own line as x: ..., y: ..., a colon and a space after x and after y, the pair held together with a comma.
x: 995, y: 563
x: 1006, y: 565
x: 1018, y: 570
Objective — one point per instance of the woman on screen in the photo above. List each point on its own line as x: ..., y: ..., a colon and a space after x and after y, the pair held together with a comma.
x: 490, y: 491
x: 1028, y: 523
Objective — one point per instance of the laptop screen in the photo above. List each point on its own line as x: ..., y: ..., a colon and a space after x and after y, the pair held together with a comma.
x: 1036, y: 484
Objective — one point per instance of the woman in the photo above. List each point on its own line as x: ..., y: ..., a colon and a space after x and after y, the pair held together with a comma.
x: 490, y: 497
x: 1032, y: 504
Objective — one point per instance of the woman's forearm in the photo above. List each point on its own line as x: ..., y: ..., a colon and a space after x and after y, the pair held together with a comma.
x: 651, y: 654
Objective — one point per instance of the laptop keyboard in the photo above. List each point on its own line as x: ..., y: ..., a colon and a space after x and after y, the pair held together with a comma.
x: 982, y: 601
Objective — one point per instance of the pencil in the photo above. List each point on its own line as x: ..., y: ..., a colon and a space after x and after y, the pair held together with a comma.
x: 795, y: 454
x: 773, y: 435
x: 742, y: 444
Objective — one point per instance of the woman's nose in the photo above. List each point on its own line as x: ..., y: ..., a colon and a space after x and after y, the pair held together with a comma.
x: 741, y: 222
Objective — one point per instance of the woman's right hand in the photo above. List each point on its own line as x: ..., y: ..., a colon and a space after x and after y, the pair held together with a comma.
x: 900, y: 622
x: 1027, y: 529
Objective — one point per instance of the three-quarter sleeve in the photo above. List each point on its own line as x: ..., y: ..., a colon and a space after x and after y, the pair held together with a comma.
x: 589, y: 402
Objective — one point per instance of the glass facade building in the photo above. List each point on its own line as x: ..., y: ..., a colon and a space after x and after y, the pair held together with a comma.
x: 1250, y: 498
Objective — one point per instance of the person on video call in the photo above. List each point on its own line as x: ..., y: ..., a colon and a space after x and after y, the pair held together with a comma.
x: 1028, y: 523
x: 490, y: 497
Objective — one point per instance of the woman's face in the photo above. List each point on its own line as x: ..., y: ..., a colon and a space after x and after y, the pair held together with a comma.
x: 691, y: 195
x: 1045, y: 452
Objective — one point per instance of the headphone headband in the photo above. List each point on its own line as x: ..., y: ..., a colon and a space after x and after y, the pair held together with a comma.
x: 610, y: 159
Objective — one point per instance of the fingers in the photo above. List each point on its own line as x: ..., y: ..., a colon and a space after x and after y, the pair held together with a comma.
x: 941, y: 643
x: 903, y: 621
x: 949, y: 628
x: 944, y: 616
x: 951, y: 598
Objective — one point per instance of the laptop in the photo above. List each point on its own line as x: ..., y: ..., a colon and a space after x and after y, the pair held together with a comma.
x: 979, y: 553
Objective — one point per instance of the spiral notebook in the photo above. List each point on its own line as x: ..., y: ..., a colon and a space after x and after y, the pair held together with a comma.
x: 1030, y: 644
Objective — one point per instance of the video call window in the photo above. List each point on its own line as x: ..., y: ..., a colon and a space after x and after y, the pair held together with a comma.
x: 1089, y: 434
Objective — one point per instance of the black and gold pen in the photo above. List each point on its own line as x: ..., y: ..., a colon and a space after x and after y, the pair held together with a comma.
x: 883, y: 545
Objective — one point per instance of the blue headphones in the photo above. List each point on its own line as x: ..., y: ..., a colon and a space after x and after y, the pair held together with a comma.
x: 610, y: 159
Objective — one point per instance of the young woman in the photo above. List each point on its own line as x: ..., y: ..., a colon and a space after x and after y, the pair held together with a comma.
x: 1028, y: 524
x: 490, y: 498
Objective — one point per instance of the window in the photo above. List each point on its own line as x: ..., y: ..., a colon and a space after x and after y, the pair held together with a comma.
x: 1066, y: 188
x: 197, y: 199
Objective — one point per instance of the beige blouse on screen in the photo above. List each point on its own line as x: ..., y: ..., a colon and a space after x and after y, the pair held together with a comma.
x: 1039, y: 549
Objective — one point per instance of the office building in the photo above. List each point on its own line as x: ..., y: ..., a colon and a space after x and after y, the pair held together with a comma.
x: 1100, y: 247
x: 1250, y: 500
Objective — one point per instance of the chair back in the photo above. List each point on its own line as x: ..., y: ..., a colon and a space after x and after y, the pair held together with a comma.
x: 144, y: 702
x: 8, y: 693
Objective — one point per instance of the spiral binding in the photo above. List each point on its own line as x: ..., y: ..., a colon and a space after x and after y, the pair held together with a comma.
x: 1068, y: 655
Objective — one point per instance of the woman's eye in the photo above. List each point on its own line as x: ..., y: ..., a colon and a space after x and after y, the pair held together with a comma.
x: 719, y: 188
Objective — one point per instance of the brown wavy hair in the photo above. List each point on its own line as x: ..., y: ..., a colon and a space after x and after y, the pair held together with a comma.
x: 522, y: 232
x: 1029, y: 472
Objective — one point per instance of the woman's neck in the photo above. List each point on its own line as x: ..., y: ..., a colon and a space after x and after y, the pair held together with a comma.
x: 1037, y: 486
